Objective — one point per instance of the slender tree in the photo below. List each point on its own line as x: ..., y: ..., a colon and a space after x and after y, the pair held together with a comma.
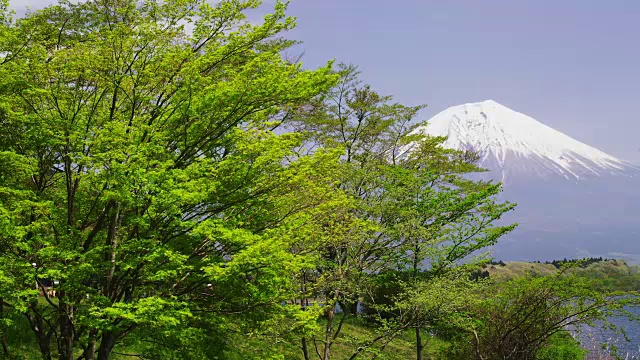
x: 413, y: 207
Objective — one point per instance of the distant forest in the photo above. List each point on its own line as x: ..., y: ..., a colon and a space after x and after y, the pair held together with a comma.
x: 582, y: 262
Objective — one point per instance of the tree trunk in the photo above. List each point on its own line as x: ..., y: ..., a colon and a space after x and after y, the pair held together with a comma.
x: 109, y: 338
x: 416, y: 268
x: 305, y: 349
x: 106, y: 345
x: 66, y: 329
x: 419, y: 345
x: 327, y: 335
x: 110, y: 256
x: 5, y: 348
x: 90, y: 351
x: 42, y: 339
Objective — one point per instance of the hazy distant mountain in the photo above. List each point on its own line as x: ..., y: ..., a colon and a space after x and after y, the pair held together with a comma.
x: 573, y: 199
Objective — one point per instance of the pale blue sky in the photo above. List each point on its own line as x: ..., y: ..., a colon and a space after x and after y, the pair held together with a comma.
x: 571, y: 64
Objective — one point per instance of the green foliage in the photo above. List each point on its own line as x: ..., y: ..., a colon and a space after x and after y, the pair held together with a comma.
x: 559, y: 264
x: 140, y: 169
x: 606, y: 275
x: 520, y: 318
x: 611, y: 275
x: 561, y: 346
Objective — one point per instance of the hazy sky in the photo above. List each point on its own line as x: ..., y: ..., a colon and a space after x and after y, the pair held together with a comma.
x: 571, y: 64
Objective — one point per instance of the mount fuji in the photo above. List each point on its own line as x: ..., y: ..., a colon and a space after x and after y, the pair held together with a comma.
x: 573, y: 199
x: 513, y: 144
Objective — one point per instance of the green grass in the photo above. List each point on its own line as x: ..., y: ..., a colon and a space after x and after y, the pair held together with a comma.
x: 354, y: 333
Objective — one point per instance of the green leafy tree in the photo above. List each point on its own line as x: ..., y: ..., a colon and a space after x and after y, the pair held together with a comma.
x: 413, y: 207
x: 441, y: 218
x: 140, y: 170
x: 526, y: 318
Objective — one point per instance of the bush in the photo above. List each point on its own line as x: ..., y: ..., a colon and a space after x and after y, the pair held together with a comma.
x: 562, y: 347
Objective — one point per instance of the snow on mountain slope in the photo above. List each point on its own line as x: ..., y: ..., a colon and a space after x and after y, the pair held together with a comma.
x: 513, y: 143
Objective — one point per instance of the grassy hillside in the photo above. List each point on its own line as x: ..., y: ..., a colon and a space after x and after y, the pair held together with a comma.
x: 514, y: 269
x: 610, y: 274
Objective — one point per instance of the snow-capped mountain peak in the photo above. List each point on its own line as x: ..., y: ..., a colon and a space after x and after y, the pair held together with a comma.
x: 511, y: 142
